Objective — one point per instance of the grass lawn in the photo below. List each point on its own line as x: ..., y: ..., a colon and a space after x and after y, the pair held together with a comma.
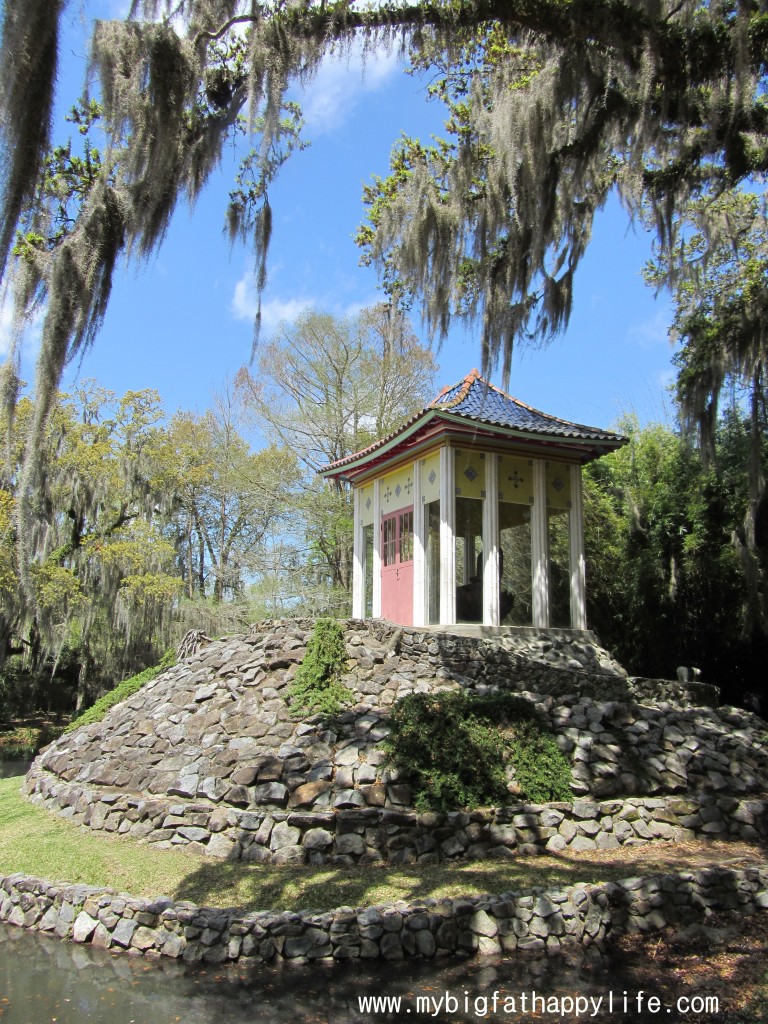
x: 39, y: 843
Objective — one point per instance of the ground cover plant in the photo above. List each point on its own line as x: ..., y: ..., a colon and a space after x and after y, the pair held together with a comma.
x: 452, y: 747
x: 121, y: 692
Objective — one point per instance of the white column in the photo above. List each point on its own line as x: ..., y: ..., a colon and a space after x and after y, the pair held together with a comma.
x: 576, y: 548
x: 419, y: 551
x: 540, y: 546
x: 447, y: 531
x: 358, y: 558
x: 376, y: 601
x: 491, y: 613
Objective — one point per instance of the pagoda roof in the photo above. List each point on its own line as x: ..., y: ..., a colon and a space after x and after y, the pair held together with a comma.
x: 476, y: 408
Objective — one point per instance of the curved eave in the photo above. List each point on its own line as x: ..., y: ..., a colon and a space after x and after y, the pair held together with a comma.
x: 415, y: 436
x: 354, y: 463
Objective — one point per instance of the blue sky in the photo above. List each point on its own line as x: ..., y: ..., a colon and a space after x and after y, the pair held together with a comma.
x: 182, y: 323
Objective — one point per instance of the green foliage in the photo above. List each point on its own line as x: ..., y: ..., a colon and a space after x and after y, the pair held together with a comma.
x: 666, y: 585
x: 67, y: 180
x: 121, y: 692
x: 541, y: 769
x: 98, y: 569
x: 720, y: 271
x: 23, y: 742
x: 47, y: 690
x: 327, y: 387
x: 453, y: 747
x: 316, y: 687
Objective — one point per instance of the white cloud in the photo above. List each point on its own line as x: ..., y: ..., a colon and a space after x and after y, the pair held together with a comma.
x: 245, y: 305
x: 341, y: 81
x: 652, y: 332
x: 274, y: 311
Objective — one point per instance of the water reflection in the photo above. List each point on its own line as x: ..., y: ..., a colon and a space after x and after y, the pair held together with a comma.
x: 44, y: 980
x: 10, y: 768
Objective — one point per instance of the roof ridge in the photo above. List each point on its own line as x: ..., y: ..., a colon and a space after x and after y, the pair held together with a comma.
x: 518, y: 401
x: 464, y: 386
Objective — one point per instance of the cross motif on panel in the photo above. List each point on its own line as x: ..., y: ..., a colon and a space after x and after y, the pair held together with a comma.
x: 557, y: 484
x: 408, y: 485
x: 387, y: 494
x: 515, y: 479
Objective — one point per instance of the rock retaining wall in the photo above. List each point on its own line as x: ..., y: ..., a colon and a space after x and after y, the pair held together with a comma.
x: 369, y: 835
x: 536, y: 921
x: 219, y: 726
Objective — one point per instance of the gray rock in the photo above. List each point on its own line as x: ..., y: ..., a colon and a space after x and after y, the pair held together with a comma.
x: 123, y: 933
x: 284, y: 835
x: 271, y: 793
x: 317, y: 839
x: 351, y: 843
x: 84, y: 927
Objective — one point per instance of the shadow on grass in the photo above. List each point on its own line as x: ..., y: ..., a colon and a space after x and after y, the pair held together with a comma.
x: 272, y: 887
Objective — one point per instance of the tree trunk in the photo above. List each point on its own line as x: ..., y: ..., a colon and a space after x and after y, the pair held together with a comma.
x: 746, y: 540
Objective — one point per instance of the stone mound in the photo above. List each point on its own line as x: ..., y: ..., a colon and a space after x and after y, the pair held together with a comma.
x: 209, y: 755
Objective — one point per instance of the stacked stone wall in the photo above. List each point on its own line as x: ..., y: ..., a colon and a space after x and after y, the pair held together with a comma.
x: 209, y: 755
x: 536, y: 921
x: 376, y: 836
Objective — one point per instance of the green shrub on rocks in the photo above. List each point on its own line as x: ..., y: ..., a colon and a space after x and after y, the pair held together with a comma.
x: 316, y: 687
x: 453, y: 747
x: 121, y: 692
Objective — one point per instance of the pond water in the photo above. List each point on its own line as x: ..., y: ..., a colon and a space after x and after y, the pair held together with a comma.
x: 46, y: 981
x: 43, y: 980
x: 10, y: 768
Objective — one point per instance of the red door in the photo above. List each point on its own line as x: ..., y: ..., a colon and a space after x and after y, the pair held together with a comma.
x: 397, y: 567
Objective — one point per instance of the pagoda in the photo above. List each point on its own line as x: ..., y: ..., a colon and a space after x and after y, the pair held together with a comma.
x: 471, y: 512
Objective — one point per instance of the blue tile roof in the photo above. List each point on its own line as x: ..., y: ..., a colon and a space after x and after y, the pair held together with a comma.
x: 480, y: 401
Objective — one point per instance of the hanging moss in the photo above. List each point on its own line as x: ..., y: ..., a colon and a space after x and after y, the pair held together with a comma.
x: 550, y: 106
x: 28, y: 67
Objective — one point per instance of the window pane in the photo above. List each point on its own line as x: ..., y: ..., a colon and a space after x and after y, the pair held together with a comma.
x: 469, y: 560
x: 559, y: 568
x: 406, y: 536
x: 388, y: 541
x: 368, y: 570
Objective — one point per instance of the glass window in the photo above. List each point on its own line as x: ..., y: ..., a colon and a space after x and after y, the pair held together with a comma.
x: 388, y: 540
x: 406, y: 536
x: 368, y: 569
